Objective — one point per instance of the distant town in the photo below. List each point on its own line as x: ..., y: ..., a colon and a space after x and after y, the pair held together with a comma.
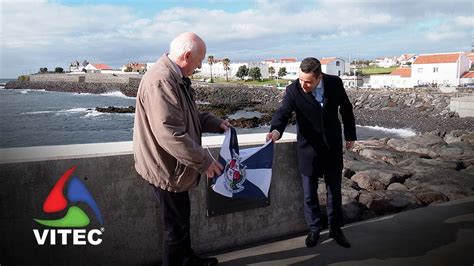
x: 445, y: 71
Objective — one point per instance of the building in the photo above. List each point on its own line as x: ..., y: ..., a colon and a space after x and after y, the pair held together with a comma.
x: 467, y: 78
x: 398, y: 78
x: 406, y: 59
x: 439, y: 69
x: 352, y: 81
x: 76, y: 67
x: 333, y: 66
x: 386, y: 61
x: 97, y: 68
x: 134, y: 67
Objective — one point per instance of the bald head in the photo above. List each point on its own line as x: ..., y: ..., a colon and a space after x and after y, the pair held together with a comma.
x: 187, y: 51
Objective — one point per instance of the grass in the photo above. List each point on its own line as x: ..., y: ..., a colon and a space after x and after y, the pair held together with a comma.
x: 376, y: 70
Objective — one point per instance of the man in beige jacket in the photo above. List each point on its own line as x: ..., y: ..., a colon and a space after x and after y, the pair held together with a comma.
x: 167, y: 142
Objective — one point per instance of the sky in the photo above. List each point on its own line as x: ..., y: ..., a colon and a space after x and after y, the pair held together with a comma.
x: 55, y: 33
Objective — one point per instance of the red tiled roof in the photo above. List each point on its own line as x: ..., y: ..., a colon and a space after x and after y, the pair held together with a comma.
x: 101, y: 66
x: 287, y: 60
x: 437, y: 58
x: 402, y: 72
x: 469, y: 74
x: 325, y: 61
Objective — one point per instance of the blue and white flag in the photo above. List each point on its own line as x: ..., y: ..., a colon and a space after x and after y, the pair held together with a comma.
x: 247, y: 173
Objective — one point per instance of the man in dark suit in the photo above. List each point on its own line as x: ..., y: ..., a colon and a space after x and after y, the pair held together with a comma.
x: 316, y: 98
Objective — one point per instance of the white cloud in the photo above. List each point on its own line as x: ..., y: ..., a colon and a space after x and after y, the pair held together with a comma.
x: 37, y: 33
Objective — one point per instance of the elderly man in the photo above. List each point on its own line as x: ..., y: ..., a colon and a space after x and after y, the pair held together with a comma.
x: 316, y: 98
x: 167, y: 142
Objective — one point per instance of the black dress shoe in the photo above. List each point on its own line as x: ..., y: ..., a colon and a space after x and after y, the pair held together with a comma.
x: 197, y: 261
x: 337, y: 234
x: 312, y: 239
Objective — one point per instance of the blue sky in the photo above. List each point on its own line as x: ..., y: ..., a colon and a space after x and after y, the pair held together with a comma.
x: 44, y: 33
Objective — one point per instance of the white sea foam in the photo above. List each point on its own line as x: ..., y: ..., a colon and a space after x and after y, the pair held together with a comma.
x: 30, y: 90
x: 38, y: 112
x: 74, y: 110
x: 94, y: 113
x: 402, y: 132
x: 82, y: 93
x: 116, y: 94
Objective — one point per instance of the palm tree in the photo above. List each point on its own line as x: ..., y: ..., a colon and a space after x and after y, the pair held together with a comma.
x: 271, y: 71
x: 210, y: 61
x: 226, y: 64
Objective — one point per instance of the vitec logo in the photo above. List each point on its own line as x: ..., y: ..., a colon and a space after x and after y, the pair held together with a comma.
x: 75, y: 217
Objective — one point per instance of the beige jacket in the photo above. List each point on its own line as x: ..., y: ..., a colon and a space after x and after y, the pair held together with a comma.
x: 167, y: 130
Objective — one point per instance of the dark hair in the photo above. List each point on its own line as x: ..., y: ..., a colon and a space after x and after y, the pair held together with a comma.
x: 311, y: 65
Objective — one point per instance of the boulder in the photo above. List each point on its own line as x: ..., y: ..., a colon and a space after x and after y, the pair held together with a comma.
x: 397, y: 186
x: 387, y: 202
x: 427, y: 144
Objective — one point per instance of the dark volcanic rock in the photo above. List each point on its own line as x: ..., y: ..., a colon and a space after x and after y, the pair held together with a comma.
x: 114, y: 109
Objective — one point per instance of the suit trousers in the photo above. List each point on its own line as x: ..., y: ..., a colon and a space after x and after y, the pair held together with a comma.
x: 312, y: 210
x: 175, y: 214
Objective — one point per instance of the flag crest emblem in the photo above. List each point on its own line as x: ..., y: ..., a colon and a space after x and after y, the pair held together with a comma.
x: 247, y: 173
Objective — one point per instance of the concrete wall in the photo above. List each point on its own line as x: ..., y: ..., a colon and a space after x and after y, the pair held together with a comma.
x: 132, y: 228
x: 464, y: 106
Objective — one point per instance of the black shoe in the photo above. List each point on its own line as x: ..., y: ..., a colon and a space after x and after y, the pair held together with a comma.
x: 312, y: 239
x: 337, y: 234
x: 197, y: 261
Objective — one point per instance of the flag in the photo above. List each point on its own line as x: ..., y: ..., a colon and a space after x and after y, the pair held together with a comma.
x: 247, y: 173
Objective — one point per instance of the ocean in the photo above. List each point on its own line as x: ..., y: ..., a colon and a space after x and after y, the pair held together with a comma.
x: 39, y: 118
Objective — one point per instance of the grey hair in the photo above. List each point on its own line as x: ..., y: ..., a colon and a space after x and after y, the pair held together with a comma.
x: 179, y: 46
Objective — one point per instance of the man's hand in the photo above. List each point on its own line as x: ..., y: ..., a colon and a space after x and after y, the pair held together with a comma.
x: 274, y: 135
x: 214, y: 169
x: 225, y: 125
x: 349, y: 144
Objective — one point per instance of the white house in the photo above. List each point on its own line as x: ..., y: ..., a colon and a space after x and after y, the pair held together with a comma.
x: 440, y: 69
x: 386, y: 61
x: 467, y: 78
x: 76, y: 67
x: 97, y: 68
x: 352, y: 81
x: 333, y: 66
x: 398, y: 78
x: 406, y: 59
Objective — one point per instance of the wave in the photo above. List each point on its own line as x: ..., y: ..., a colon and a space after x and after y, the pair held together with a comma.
x: 116, y: 94
x: 38, y: 112
x: 402, y: 132
x: 88, y: 112
x: 30, y: 90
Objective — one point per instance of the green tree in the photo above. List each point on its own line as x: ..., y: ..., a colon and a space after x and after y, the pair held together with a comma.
x: 128, y: 69
x: 43, y: 70
x: 210, y: 61
x: 242, y: 72
x: 226, y: 64
x: 255, y: 73
x: 282, y: 72
x: 58, y: 70
x: 271, y: 71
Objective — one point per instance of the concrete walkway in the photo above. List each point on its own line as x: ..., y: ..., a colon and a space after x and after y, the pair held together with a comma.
x: 436, y: 235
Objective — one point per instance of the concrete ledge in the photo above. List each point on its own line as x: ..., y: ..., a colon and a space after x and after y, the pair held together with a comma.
x: 464, y: 106
x: 76, y: 151
x: 131, y: 213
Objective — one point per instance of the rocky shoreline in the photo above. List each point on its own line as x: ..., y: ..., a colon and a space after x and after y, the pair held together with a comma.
x: 421, y: 110
x: 392, y: 175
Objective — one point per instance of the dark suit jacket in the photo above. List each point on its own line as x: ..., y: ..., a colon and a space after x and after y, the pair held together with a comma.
x: 319, y: 129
